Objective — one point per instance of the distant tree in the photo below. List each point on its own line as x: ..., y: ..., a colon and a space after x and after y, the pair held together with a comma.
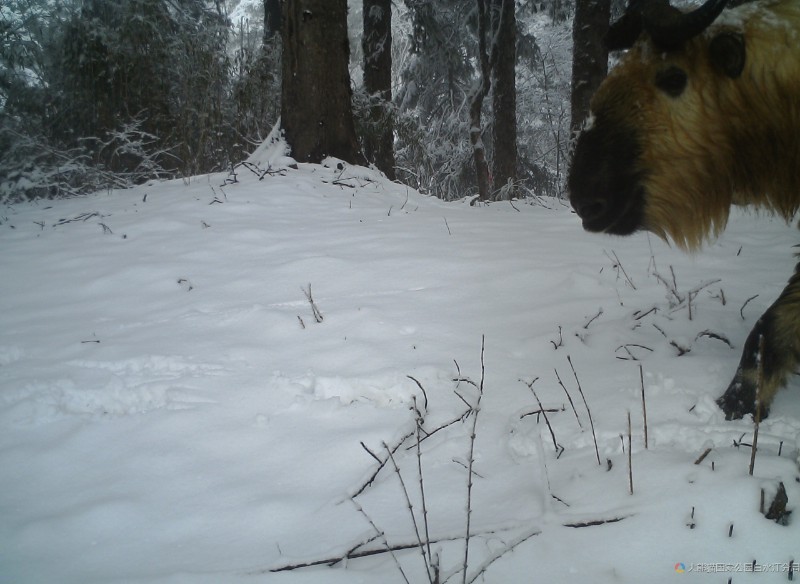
x: 377, y: 47
x: 256, y: 75
x: 436, y: 74
x: 159, y: 64
x: 504, y: 99
x: 486, y: 60
x: 590, y: 57
x: 272, y: 19
x: 316, y: 97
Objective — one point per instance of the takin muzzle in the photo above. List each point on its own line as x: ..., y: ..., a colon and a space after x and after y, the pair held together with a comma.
x: 703, y: 112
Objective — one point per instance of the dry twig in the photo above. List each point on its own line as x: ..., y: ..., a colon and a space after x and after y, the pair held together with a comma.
x: 589, y: 411
x: 544, y: 413
x: 471, y: 459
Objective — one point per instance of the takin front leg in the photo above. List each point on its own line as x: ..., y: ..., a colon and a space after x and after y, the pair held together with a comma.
x: 780, y: 329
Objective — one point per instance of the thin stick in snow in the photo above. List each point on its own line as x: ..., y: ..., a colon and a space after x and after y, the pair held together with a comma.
x: 589, y: 411
x: 741, y: 310
x: 500, y: 553
x: 419, y: 421
x: 381, y: 463
x: 569, y: 397
x: 471, y: 460
x: 382, y: 536
x: 630, y: 456
x: 644, y: 405
x: 560, y: 340
x: 757, y: 420
x: 618, y: 264
x: 594, y: 318
x: 544, y: 413
x: 421, y: 544
x: 314, y: 309
x: 422, y: 389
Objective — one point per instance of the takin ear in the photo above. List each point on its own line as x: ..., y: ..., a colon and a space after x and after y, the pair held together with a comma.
x: 727, y: 53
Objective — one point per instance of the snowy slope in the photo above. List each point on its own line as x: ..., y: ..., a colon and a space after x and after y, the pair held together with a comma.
x: 170, y: 410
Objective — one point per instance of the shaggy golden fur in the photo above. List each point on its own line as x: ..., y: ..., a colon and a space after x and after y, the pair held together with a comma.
x: 723, y: 141
x: 672, y: 157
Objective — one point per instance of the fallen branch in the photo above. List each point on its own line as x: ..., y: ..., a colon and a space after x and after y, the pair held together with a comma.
x: 595, y: 522
x: 82, y: 217
x: 541, y: 411
x: 702, y: 457
x: 638, y: 315
x: 713, y: 335
x: 631, y: 356
x: 362, y: 551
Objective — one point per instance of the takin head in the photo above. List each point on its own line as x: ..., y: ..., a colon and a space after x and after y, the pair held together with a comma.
x: 701, y: 113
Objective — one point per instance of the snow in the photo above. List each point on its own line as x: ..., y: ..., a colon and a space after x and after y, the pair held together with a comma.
x: 166, y: 417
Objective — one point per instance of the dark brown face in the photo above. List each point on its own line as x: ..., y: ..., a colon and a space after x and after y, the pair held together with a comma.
x: 604, y: 184
x: 606, y: 181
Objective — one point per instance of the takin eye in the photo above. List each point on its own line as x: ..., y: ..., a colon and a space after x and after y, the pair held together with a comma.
x: 671, y: 81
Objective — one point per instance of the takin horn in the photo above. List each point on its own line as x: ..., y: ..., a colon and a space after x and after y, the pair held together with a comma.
x: 667, y: 26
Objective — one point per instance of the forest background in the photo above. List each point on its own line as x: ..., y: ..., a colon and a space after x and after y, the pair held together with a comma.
x: 98, y: 94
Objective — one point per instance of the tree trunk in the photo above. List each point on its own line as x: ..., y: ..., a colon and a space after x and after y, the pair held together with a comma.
x: 377, y: 45
x: 476, y: 105
x: 590, y: 57
x: 272, y: 18
x: 504, y: 104
x: 316, y: 98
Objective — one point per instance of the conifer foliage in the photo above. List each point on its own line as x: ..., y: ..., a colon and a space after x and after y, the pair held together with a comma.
x: 106, y: 93
x: 456, y: 98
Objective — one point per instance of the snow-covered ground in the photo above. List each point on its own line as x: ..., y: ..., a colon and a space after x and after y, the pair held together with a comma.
x: 171, y: 410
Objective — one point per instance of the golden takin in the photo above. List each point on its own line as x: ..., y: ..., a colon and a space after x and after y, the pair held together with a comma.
x: 701, y: 113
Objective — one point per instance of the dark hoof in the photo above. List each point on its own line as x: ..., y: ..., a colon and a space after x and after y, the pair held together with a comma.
x: 733, y: 407
x: 740, y: 399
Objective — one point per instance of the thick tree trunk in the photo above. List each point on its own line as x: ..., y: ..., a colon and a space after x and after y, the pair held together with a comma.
x: 377, y: 45
x: 590, y: 57
x: 504, y: 103
x: 316, y: 98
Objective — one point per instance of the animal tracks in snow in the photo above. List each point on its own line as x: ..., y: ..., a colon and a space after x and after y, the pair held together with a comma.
x: 106, y: 388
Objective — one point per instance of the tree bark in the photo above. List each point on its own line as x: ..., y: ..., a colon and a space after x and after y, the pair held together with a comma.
x: 590, y: 57
x: 272, y: 19
x: 504, y: 102
x: 377, y: 45
x: 476, y: 105
x: 316, y: 97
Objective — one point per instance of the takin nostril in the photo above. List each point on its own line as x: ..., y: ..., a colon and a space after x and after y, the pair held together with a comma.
x: 590, y: 209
